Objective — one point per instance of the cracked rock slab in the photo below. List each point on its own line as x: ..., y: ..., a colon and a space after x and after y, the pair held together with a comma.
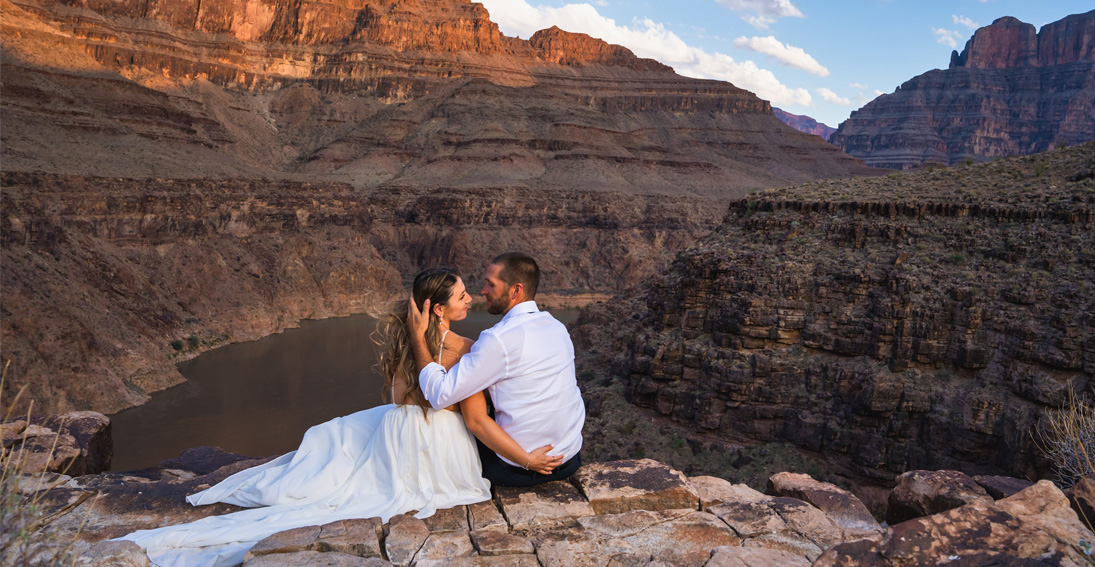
x: 528, y: 560
x: 493, y: 542
x: 404, y: 537
x: 486, y: 516
x: 713, y: 491
x: 621, y: 486
x: 352, y: 537
x: 841, y: 506
x: 445, y: 545
x: 754, y: 557
x: 549, y: 505
x: 678, y: 537
x: 314, y: 559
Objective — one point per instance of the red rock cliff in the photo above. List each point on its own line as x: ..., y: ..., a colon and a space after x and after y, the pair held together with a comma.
x: 1010, y: 92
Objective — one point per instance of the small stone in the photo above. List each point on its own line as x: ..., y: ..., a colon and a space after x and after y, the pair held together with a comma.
x: 548, y: 505
x: 314, y: 559
x: 404, y: 537
x: 12, y: 432
x: 754, y: 557
x: 620, y: 486
x: 490, y: 542
x: 485, y: 516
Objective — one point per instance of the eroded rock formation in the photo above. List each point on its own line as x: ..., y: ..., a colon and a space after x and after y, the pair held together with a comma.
x: 917, y: 321
x: 1011, y: 91
x: 191, y: 173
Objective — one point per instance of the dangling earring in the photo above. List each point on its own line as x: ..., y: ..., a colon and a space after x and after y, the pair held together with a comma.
x: 440, y: 319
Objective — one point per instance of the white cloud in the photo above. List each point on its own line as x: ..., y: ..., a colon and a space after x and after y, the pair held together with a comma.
x: 857, y: 86
x: 831, y: 97
x: 646, y: 38
x: 760, y: 13
x: 962, y: 20
x: 878, y: 93
x: 787, y: 54
x: 946, y: 37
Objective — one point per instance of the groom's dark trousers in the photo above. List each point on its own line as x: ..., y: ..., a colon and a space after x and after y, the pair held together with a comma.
x: 500, y: 473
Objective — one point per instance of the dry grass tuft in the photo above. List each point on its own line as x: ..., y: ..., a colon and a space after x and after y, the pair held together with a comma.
x: 1068, y: 439
x: 22, y: 515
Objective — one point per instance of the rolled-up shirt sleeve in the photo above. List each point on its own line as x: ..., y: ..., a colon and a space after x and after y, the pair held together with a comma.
x: 477, y: 370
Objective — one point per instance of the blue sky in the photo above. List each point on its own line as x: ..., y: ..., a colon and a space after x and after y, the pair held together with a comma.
x: 822, y: 59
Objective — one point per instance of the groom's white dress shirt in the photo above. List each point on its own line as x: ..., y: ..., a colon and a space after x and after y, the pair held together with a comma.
x: 526, y: 362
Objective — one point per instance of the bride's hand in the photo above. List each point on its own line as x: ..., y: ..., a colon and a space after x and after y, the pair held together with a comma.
x: 418, y: 321
x: 541, y: 462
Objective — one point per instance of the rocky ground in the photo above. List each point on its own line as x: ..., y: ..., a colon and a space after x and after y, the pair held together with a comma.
x: 633, y: 513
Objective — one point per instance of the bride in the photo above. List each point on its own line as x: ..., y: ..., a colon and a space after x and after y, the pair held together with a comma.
x: 379, y: 462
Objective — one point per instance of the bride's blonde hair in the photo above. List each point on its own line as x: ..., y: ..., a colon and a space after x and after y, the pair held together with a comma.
x: 396, y: 359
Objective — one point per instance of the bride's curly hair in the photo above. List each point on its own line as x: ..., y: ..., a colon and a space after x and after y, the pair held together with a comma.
x: 396, y: 359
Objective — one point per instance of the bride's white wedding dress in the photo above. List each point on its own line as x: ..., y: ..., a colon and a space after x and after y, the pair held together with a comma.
x: 379, y: 462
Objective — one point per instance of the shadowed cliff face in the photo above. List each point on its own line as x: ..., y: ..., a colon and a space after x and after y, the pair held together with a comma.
x: 1010, y: 92
x: 907, y: 322
x: 101, y: 275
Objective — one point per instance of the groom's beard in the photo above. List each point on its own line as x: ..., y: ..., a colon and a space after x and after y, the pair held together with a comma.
x: 497, y: 306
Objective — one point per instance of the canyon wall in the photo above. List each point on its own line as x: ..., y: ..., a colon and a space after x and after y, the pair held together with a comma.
x: 102, y: 275
x: 804, y: 124
x: 909, y: 322
x: 1011, y: 91
x: 177, y: 175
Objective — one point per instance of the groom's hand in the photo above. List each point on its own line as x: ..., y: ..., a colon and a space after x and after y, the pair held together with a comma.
x: 541, y: 462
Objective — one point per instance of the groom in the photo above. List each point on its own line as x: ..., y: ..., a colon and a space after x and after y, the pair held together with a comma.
x: 526, y: 362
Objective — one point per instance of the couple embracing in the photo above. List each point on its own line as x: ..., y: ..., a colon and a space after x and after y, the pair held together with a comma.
x: 436, y: 446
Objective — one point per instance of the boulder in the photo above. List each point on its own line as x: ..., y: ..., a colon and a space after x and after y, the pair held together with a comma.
x: 842, y: 506
x: 445, y: 545
x: 923, y: 493
x: 620, y: 486
x: 112, y: 554
x: 712, y: 490
x: 1082, y: 499
x: 1001, y: 486
x: 74, y: 443
x: 1034, y: 527
x: 548, y: 505
x: 781, y: 523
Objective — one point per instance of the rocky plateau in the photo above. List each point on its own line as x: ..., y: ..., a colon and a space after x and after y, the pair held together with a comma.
x: 195, y: 173
x: 638, y: 513
x: 927, y: 320
x: 1011, y: 91
x: 804, y: 124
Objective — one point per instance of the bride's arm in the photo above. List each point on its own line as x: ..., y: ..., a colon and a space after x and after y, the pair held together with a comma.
x: 486, y: 430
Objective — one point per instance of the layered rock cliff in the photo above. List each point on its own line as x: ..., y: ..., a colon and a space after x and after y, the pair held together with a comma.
x: 1011, y: 91
x: 373, y: 92
x: 925, y: 320
x: 202, y: 172
x: 804, y: 124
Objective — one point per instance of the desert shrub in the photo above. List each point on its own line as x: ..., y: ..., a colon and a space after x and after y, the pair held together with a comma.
x: 176, y: 344
x: 21, y: 514
x: 193, y: 341
x: 1068, y: 439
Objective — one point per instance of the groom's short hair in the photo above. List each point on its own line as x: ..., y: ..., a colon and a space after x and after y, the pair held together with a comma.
x: 519, y: 267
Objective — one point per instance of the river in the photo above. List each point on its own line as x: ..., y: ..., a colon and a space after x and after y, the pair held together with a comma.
x: 259, y: 397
